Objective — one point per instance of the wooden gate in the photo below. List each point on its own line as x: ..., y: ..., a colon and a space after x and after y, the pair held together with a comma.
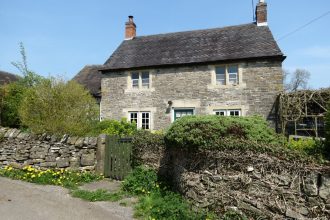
x: 118, y: 157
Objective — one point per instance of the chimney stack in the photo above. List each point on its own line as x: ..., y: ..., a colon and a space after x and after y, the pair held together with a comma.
x: 261, y: 13
x: 130, y: 29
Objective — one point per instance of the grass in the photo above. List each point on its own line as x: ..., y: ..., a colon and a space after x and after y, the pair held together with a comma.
x: 98, y: 195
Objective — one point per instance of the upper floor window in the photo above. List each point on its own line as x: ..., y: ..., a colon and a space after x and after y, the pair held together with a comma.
x: 140, y: 80
x: 227, y: 74
x: 228, y: 112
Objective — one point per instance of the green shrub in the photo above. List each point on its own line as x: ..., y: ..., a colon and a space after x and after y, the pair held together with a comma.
x: 11, y: 95
x: 156, y: 202
x: 142, y: 180
x: 232, y: 215
x: 58, y: 107
x: 308, y: 146
x: 207, y: 130
x: 121, y: 128
x: 144, y: 142
x: 165, y: 205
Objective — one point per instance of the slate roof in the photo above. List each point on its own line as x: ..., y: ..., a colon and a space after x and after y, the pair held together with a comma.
x: 6, y: 77
x: 200, y: 46
x: 90, y: 78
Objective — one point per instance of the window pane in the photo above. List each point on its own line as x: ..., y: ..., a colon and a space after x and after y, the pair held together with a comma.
x: 220, y: 75
x: 182, y: 112
x: 233, y: 74
x: 234, y: 112
x: 232, y: 69
x: 145, y: 79
x: 220, y: 112
x: 135, y: 80
x: 134, y: 117
x: 145, y: 120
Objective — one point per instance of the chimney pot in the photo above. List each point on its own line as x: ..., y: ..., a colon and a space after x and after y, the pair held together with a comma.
x: 261, y: 13
x: 130, y: 28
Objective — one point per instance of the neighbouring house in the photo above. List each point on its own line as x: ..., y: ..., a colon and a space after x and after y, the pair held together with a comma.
x: 6, y: 77
x: 90, y: 78
x: 230, y: 71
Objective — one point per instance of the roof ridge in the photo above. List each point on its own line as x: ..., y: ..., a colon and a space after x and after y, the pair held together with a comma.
x: 182, y: 32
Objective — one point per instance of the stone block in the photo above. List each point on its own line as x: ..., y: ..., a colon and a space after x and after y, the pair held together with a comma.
x: 72, y: 140
x: 310, y: 187
x: 87, y: 159
x: 62, y: 162
x: 87, y: 168
x: 324, y: 190
x: 48, y: 164
x: 293, y: 214
x: 64, y: 139
x: 80, y: 142
x: 37, y: 155
x: 74, y: 162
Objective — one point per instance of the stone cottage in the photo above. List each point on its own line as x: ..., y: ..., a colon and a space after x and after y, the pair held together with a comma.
x: 156, y: 79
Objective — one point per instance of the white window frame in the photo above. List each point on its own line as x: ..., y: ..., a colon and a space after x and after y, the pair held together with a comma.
x: 227, y: 79
x: 139, y: 120
x: 226, y: 112
x: 141, y: 84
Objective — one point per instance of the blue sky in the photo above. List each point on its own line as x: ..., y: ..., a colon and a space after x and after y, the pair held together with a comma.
x: 62, y: 36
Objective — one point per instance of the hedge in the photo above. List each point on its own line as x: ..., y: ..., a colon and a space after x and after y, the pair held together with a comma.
x: 207, y: 131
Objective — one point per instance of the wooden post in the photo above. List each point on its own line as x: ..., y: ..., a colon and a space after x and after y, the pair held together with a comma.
x: 316, y: 131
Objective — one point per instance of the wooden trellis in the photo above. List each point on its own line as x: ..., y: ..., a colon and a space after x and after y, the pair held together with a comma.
x: 302, y: 112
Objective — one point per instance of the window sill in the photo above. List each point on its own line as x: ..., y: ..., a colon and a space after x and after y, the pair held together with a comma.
x: 230, y: 86
x: 131, y: 90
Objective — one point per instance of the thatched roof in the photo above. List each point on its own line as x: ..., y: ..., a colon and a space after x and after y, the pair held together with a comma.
x: 239, y: 42
x: 6, y: 77
x: 90, y: 77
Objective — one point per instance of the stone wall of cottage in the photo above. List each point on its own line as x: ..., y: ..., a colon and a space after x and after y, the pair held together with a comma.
x: 192, y: 87
x: 19, y: 149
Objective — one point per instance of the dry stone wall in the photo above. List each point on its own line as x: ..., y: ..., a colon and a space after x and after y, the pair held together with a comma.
x: 260, y: 185
x: 19, y: 148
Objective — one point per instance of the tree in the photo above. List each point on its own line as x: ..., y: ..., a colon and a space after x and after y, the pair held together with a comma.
x: 299, y: 80
x: 11, y: 94
x: 58, y: 107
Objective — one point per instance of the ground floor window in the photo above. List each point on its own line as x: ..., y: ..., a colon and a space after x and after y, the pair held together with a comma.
x: 228, y: 112
x: 142, y: 119
x: 178, y: 113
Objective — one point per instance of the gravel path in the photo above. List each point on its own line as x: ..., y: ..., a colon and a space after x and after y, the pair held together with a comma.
x: 21, y: 200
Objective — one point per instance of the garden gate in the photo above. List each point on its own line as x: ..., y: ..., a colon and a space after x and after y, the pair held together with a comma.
x: 118, y: 157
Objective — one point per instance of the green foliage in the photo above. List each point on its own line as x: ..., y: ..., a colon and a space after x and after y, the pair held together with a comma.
x: 61, y: 177
x: 58, y: 107
x: 155, y: 201
x: 309, y: 147
x: 146, y: 141
x: 98, y: 195
x: 11, y: 98
x: 165, y: 205
x: 141, y: 181
x: 206, y: 131
x: 12, y: 94
x: 232, y: 215
x: 121, y: 128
